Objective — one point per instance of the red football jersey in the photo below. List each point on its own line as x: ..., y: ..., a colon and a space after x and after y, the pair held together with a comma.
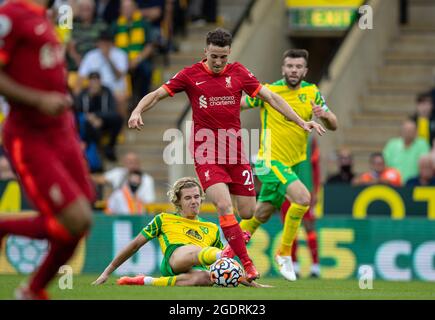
x: 31, y: 55
x: 215, y: 100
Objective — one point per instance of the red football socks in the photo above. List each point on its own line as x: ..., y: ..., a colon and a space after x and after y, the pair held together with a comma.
x: 58, y: 255
x: 234, y: 235
x: 312, y: 244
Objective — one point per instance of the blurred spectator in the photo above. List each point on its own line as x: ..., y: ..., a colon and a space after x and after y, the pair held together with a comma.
x: 133, y: 35
x: 424, y: 118
x: 378, y: 174
x: 426, y: 173
x: 179, y: 17
x: 160, y: 14
x: 90, y: 141
x: 404, y: 152
x: 153, y: 12
x: 345, y: 168
x: 126, y: 199
x: 117, y: 176
x: 112, y: 65
x: 85, y: 33
x: 107, y: 10
x: 6, y: 172
x: 98, y: 106
x: 203, y: 11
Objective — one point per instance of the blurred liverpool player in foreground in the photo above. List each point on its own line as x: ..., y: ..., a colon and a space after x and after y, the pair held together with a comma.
x: 214, y: 88
x: 40, y: 139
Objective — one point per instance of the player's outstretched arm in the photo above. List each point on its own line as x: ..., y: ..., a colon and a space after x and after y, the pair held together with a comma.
x: 51, y: 103
x: 121, y: 257
x: 146, y: 103
x: 243, y: 105
x: 328, y: 118
x: 279, y: 104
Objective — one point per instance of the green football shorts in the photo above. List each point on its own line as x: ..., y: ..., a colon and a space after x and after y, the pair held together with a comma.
x: 304, y: 172
x: 165, y: 267
x: 274, y: 181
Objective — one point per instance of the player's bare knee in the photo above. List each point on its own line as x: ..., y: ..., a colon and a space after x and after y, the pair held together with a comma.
x: 264, y: 212
x: 247, y: 212
x: 224, y: 207
x: 84, y: 220
x: 77, y: 218
x: 262, y: 215
x: 304, y: 199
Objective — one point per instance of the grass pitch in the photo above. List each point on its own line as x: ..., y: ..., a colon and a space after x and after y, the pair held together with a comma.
x: 303, y: 289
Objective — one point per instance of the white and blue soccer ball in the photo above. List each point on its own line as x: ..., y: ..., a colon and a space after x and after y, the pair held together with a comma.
x: 226, y: 272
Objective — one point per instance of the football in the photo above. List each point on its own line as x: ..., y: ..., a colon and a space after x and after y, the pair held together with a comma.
x: 226, y: 272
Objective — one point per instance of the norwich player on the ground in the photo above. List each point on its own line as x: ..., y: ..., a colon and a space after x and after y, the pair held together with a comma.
x: 189, y: 243
x: 283, y: 146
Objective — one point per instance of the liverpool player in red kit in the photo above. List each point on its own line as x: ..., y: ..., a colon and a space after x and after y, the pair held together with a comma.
x: 214, y: 88
x: 40, y: 139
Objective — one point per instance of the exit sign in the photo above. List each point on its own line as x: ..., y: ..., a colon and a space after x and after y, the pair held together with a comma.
x: 321, y: 18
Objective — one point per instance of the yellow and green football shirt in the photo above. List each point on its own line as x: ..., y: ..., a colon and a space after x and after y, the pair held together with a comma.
x: 284, y: 140
x: 173, y: 229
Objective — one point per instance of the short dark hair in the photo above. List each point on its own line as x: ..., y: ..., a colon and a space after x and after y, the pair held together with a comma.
x: 421, y: 97
x: 94, y: 75
x: 296, y: 53
x: 105, y: 35
x: 219, y: 37
x: 375, y: 155
x: 136, y: 172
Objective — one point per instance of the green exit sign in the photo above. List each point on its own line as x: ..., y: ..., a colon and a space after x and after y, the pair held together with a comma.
x: 321, y: 18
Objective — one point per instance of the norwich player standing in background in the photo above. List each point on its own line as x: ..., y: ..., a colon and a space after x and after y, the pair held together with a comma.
x: 283, y: 145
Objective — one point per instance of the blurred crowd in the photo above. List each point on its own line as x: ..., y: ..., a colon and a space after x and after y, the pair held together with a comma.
x: 114, y: 50
x: 406, y: 160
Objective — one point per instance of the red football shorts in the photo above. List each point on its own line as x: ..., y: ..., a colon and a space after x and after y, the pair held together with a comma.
x: 51, y: 168
x: 238, y: 177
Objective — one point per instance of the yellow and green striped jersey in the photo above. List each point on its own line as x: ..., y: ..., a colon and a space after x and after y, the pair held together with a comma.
x: 171, y: 228
x: 284, y: 140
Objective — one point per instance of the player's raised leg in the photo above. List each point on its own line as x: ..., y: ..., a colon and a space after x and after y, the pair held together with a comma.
x: 185, y: 257
x: 60, y: 192
x: 64, y: 234
x: 220, y: 196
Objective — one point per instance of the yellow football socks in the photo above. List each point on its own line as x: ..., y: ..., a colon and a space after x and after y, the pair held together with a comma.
x: 161, y: 281
x: 250, y: 225
x: 208, y: 255
x: 291, y: 226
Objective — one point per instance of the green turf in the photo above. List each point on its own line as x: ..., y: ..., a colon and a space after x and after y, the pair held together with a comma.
x: 301, y: 289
